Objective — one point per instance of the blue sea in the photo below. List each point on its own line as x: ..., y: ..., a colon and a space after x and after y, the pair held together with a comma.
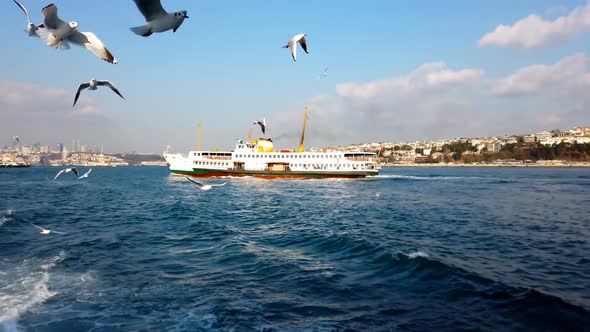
x: 413, y: 249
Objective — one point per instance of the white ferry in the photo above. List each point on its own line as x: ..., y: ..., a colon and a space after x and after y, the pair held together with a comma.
x: 258, y: 158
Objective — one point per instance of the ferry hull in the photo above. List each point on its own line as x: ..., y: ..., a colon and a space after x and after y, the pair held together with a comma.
x: 204, y: 173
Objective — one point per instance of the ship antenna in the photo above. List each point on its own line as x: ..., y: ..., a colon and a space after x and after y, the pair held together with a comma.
x: 300, y: 149
x: 200, y: 129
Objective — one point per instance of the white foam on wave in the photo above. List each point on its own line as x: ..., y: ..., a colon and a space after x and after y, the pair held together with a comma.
x: 22, y: 287
x: 417, y: 254
x: 6, y: 217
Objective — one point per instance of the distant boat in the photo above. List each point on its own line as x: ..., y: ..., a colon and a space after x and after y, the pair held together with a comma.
x: 14, y: 165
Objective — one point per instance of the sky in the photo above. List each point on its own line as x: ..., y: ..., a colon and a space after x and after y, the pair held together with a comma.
x: 397, y: 71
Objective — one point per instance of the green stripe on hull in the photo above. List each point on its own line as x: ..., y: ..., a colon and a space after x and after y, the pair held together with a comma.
x: 266, y: 174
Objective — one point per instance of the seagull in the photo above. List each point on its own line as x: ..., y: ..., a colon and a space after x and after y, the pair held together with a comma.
x: 57, y: 34
x: 16, y: 139
x: 158, y: 20
x: 67, y: 170
x: 205, y: 186
x: 47, y: 231
x: 262, y: 125
x: 325, y: 73
x: 31, y: 29
x: 292, y: 44
x: 93, y: 85
x: 85, y: 175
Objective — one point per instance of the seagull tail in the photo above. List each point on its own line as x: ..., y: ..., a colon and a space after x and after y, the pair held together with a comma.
x: 286, y: 46
x: 143, y: 30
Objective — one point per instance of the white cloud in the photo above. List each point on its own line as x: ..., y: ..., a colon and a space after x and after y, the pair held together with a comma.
x: 569, y: 78
x: 19, y: 96
x: 434, y: 102
x: 534, y: 32
x: 41, y: 114
x: 429, y: 76
x: 411, y: 106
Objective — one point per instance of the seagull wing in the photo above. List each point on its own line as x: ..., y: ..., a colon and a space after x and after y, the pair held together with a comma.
x: 49, y: 38
x: 303, y: 43
x: 193, y: 181
x: 75, y: 171
x: 24, y: 10
x: 56, y: 232
x: 293, y: 47
x: 40, y: 228
x: 50, y: 19
x: 110, y: 85
x: 80, y: 88
x: 150, y: 9
x: 58, y: 174
x: 85, y: 175
x: 218, y: 185
x: 93, y: 44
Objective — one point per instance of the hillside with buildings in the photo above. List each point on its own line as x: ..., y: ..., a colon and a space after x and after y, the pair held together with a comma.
x: 82, y: 155
x: 554, y: 147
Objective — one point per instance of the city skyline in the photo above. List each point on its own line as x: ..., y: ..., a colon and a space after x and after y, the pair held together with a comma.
x: 413, y: 71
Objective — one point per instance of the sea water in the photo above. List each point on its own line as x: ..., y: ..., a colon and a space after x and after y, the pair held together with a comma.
x: 416, y: 249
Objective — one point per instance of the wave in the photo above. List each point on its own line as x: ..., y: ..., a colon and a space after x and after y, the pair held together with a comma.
x: 415, y: 254
x: 23, y: 287
x: 419, y: 270
x: 6, y: 217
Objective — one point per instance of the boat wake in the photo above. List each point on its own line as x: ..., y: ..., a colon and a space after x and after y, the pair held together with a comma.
x: 22, y: 287
x: 423, y: 178
x: 397, y: 177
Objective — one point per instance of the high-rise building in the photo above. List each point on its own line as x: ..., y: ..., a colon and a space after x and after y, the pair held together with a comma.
x: 60, y: 147
x: 64, y: 153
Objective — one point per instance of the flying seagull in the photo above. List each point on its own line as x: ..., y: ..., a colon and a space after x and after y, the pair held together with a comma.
x: 292, y: 44
x: 93, y: 85
x: 16, y: 139
x: 31, y: 29
x: 205, y: 186
x: 85, y: 175
x: 57, y: 34
x: 47, y: 231
x: 262, y: 125
x: 325, y: 73
x: 67, y: 170
x: 158, y: 20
